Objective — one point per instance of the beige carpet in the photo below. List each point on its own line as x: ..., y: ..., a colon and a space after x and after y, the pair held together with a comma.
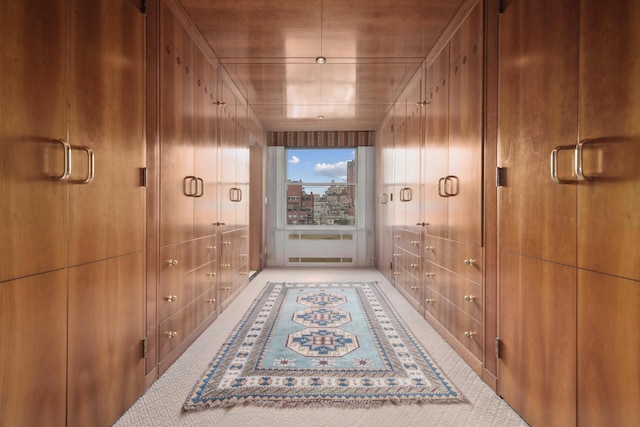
x: 162, y: 404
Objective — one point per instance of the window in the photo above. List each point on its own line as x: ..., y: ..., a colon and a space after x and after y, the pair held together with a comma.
x: 321, y: 186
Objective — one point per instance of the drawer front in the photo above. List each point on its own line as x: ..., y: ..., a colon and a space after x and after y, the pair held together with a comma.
x: 463, y: 293
x: 407, y: 239
x: 205, y: 278
x: 463, y: 327
x: 461, y: 258
x: 175, y: 329
x: 205, y: 250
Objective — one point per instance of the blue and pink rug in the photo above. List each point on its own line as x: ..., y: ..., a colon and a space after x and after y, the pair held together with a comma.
x: 323, y: 344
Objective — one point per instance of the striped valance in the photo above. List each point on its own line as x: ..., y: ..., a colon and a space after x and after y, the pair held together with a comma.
x: 322, y: 139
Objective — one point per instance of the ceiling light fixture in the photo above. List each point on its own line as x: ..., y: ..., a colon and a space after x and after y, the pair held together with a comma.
x: 321, y: 60
x: 320, y: 117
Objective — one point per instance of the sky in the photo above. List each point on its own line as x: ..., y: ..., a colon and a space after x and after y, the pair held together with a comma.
x: 318, y: 165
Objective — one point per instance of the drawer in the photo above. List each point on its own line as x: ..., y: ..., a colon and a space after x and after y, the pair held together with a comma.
x: 461, y: 258
x: 461, y: 326
x: 205, y: 250
x: 175, y: 291
x: 205, y: 278
x: 175, y: 329
x: 407, y: 239
x: 463, y: 293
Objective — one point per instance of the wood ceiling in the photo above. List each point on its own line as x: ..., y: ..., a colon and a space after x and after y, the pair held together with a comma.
x: 373, y: 47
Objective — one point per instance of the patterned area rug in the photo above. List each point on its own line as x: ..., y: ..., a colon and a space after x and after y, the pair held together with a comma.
x: 322, y: 344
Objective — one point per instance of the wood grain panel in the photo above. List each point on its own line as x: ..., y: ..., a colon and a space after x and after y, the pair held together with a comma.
x: 176, y: 137
x: 33, y: 114
x: 537, y: 112
x: 414, y: 144
x: 436, y: 148
x: 609, y: 205
x: 537, y: 328
x: 106, y: 327
x: 466, y: 144
x: 106, y: 115
x: 608, y: 350
x: 33, y: 360
x: 206, y: 146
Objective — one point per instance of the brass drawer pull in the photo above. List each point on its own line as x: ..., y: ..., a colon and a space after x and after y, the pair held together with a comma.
x: 171, y: 334
x: 414, y: 288
x: 469, y: 334
x: 415, y: 265
x: 430, y: 248
x: 429, y: 301
x: 470, y: 298
x: 211, y: 301
x: 172, y: 262
x: 171, y: 298
x: 470, y: 261
x: 211, y: 274
x: 429, y: 274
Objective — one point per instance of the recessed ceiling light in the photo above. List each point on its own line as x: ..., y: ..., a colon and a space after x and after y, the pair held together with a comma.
x: 320, y: 117
x: 321, y: 60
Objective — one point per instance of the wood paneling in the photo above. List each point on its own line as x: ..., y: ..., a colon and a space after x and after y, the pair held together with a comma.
x: 436, y: 145
x: 609, y: 205
x: 270, y: 54
x: 608, y: 350
x: 106, y: 115
x: 106, y: 328
x: 33, y: 360
x: 537, y: 110
x: 176, y: 132
x: 537, y: 365
x: 33, y: 115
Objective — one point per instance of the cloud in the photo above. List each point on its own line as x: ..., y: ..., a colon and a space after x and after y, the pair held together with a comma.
x: 294, y: 160
x: 333, y: 170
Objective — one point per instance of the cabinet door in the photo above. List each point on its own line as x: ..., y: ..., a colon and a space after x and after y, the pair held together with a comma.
x: 608, y: 350
x: 436, y: 146
x: 537, y: 112
x: 465, y: 144
x: 206, y: 147
x: 412, y: 160
x: 399, y: 161
x: 106, y: 327
x: 176, y: 134
x: 242, y: 165
x: 609, y: 204
x: 227, y: 156
x: 537, y: 365
x: 33, y: 360
x: 106, y: 115
x: 33, y: 206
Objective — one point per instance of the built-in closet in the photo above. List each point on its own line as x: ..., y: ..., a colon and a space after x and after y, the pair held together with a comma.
x: 569, y: 276
x: 72, y: 260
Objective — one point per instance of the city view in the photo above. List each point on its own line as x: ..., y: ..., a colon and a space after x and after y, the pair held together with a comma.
x: 321, y: 186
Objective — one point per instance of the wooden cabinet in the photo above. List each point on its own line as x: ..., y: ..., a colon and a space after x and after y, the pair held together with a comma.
x: 72, y: 151
x: 453, y: 146
x: 406, y: 264
x: 453, y: 262
x: 188, y: 266
x: 568, y: 212
x: 234, y: 267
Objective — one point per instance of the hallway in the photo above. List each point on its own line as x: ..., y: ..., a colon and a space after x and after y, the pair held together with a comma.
x: 161, y: 405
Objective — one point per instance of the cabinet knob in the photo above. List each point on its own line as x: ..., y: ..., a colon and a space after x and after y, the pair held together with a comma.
x: 171, y: 298
x: 469, y: 334
x: 429, y: 274
x: 211, y: 248
x: 470, y: 261
x: 414, y: 288
x: 470, y: 298
x: 430, y: 248
x: 226, y: 243
x: 226, y: 265
x: 211, y: 301
x: 211, y: 274
x: 429, y: 301
x: 414, y: 265
x: 225, y: 288
x: 172, y: 262
x: 396, y: 273
x: 171, y: 334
